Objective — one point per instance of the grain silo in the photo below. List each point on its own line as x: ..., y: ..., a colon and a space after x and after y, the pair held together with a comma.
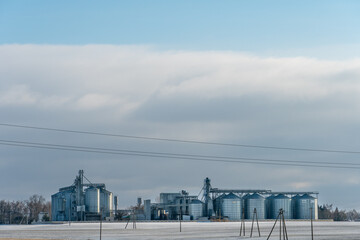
x: 305, y: 207
x: 254, y: 201
x: 81, y: 201
x: 280, y: 202
x: 268, y: 203
x: 92, y: 200
x: 196, y: 208
x: 217, y: 204
x: 106, y: 202
x: 231, y: 206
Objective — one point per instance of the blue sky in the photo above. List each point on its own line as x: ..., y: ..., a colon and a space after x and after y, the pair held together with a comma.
x: 273, y: 73
x: 253, y: 26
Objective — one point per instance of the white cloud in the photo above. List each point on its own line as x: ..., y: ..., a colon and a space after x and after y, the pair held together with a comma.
x: 93, y: 101
x: 17, y: 95
x: 301, y: 185
x: 97, y: 76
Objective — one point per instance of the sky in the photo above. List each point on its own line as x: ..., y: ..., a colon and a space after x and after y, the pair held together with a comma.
x: 269, y: 73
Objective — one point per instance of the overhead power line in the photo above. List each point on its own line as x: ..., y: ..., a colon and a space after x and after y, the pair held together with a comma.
x: 177, y: 154
x: 181, y: 156
x: 181, y: 140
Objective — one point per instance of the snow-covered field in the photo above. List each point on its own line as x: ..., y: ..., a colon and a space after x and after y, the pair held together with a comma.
x: 297, y: 230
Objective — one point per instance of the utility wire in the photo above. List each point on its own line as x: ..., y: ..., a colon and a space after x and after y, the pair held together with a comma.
x: 181, y: 141
x: 176, y: 154
x: 89, y: 150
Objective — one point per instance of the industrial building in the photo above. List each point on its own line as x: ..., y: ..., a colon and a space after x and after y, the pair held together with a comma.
x: 173, y: 205
x: 233, y: 204
x: 82, y: 201
x: 91, y: 201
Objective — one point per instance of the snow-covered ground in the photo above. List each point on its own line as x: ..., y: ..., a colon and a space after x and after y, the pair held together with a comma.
x: 297, y: 230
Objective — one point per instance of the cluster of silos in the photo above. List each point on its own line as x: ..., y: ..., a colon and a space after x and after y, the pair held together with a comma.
x: 298, y: 207
x: 234, y: 207
x: 78, y: 204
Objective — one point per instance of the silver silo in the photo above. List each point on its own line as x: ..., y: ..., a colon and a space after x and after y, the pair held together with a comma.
x: 268, y: 207
x: 111, y: 203
x: 92, y: 200
x: 254, y: 201
x: 302, y: 206
x: 57, y: 205
x: 106, y: 202
x: 280, y: 202
x: 196, y: 209
x: 231, y: 206
x: 217, y: 204
x: 293, y: 205
x: 62, y: 206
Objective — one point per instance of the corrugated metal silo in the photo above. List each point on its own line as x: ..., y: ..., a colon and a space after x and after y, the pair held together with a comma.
x: 293, y: 205
x: 280, y: 202
x: 243, y: 210
x: 196, y: 209
x: 111, y: 203
x: 106, y: 202
x: 92, y: 200
x: 55, y: 206
x: 231, y: 206
x: 303, y: 204
x: 62, y: 204
x: 217, y: 204
x: 254, y: 201
x: 268, y: 209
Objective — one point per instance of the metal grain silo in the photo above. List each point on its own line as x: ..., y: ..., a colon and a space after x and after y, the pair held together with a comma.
x: 280, y: 202
x: 92, y: 200
x: 106, y: 202
x: 111, y: 203
x: 231, y: 206
x: 303, y: 205
x: 254, y: 201
x: 196, y: 209
x: 62, y: 206
x: 268, y: 203
x: 293, y: 205
x: 57, y: 205
x: 217, y: 204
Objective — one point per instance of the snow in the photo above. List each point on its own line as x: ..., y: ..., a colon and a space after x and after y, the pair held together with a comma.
x: 297, y: 230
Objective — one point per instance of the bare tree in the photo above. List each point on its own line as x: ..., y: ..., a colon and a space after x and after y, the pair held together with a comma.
x: 35, y: 205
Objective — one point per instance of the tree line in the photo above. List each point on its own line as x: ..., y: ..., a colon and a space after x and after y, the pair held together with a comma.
x: 26, y: 211
x: 327, y: 211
